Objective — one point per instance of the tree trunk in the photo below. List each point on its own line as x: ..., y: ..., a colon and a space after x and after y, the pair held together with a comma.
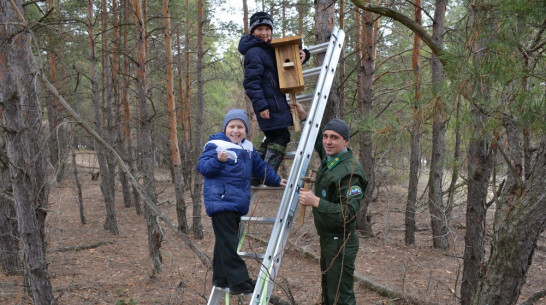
x: 127, y: 135
x: 415, y: 156
x: 479, y: 157
x: 173, y: 138
x: 367, y: 71
x: 9, y: 235
x: 57, y: 134
x: 155, y: 236
x: 118, y: 103
x: 185, y: 145
x: 520, y: 218
x: 22, y: 127
x: 324, y: 25
x: 78, y: 184
x: 300, y: 7
x: 110, y: 223
x: 187, y: 104
x: 436, y: 206
x: 198, y: 181
x: 341, y: 66
x: 187, y: 118
x: 455, y: 163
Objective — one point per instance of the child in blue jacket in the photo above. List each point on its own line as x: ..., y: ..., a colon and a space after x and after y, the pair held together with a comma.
x: 261, y: 83
x: 228, y: 163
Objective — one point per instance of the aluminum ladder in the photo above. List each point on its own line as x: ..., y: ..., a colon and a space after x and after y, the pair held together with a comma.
x: 282, y: 223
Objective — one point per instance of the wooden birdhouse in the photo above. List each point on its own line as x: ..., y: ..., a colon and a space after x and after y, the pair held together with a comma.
x: 287, y: 53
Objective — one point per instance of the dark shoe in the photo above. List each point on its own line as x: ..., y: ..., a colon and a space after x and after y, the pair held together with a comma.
x: 243, y: 288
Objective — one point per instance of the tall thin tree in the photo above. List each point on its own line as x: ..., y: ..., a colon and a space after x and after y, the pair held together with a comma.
x: 109, y: 168
x: 409, y: 233
x: 324, y: 25
x: 110, y: 223
x: 341, y: 65
x: 126, y: 126
x: 57, y: 134
x: 155, y: 234
x: 198, y: 181
x: 436, y: 204
x: 117, y: 98
x: 185, y: 118
x: 365, y: 104
x: 173, y: 137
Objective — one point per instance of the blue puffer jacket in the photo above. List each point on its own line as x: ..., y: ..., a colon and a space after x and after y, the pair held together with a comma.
x: 227, y: 184
x: 261, y: 83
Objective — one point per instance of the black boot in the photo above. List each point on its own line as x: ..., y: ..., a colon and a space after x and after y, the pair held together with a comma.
x: 274, y: 158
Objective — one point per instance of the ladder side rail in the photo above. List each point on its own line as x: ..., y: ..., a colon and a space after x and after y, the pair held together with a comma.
x: 216, y: 296
x: 299, y: 168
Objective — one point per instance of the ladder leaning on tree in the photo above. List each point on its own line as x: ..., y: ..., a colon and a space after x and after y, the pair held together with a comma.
x: 282, y: 223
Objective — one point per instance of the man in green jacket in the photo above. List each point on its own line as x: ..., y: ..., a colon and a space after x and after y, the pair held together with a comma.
x: 339, y: 188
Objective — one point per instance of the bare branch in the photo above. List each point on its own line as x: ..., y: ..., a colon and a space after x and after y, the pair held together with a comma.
x: 408, y: 22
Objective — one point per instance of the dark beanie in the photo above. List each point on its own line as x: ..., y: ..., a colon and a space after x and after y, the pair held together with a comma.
x: 236, y: 114
x: 260, y: 18
x: 339, y: 126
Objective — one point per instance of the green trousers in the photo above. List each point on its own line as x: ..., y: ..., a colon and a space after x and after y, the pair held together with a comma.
x: 337, y: 263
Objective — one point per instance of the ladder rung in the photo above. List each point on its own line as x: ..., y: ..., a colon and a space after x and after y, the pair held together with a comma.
x: 318, y: 48
x: 302, y: 98
x: 250, y: 255
x: 266, y: 220
x: 311, y: 72
x: 289, y: 155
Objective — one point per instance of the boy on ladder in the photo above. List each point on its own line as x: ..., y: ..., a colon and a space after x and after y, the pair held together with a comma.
x: 261, y: 83
x: 228, y: 163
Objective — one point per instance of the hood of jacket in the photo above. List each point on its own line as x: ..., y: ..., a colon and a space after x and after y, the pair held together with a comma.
x: 248, y: 42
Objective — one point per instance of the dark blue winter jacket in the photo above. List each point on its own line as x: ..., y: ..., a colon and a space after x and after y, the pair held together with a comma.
x: 227, y: 184
x: 261, y: 83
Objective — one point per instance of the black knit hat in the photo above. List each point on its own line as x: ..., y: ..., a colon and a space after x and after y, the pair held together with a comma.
x: 339, y: 126
x: 260, y: 18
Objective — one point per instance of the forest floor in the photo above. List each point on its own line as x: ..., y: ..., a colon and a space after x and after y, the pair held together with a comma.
x: 88, y: 265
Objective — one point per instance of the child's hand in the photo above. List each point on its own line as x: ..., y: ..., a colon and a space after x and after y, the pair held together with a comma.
x: 223, y: 156
x: 265, y: 114
x: 283, y: 182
